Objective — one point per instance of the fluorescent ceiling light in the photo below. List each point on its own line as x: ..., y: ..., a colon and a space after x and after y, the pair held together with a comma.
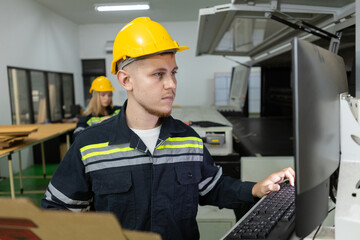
x: 122, y: 7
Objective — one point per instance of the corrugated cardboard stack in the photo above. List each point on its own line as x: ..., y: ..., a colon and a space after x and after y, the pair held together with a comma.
x: 14, y: 135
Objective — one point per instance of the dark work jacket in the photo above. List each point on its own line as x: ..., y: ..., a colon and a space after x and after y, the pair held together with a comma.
x: 109, y: 168
x: 89, y: 120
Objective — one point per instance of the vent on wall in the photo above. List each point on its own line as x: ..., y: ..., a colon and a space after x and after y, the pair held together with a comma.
x: 109, y: 46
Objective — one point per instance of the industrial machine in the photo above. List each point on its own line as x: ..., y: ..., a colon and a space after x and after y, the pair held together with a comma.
x: 212, y: 127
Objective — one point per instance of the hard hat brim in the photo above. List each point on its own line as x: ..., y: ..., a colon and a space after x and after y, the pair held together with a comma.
x: 178, y: 49
x: 182, y: 48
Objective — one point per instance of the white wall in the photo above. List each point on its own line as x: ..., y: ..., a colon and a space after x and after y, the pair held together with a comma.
x: 195, y: 76
x: 34, y: 37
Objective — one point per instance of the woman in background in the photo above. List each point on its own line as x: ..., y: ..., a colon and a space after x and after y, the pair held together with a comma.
x: 100, y: 106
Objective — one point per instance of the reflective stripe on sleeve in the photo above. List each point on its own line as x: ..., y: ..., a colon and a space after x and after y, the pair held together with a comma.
x: 53, y: 192
x: 78, y: 129
x: 212, y: 183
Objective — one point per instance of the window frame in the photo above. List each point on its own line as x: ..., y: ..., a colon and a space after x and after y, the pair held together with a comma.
x: 29, y: 96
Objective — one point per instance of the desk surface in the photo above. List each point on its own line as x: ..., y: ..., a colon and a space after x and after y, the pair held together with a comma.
x: 44, y: 132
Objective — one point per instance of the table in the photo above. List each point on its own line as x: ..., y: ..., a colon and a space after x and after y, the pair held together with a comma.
x: 44, y: 132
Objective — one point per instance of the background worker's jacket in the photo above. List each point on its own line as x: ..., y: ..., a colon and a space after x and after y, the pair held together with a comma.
x: 109, y: 168
x: 89, y: 120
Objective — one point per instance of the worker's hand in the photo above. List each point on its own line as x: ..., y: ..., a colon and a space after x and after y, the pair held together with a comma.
x: 271, y: 183
x: 104, y: 118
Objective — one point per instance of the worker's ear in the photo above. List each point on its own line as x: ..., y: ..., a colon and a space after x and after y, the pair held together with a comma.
x: 124, y: 79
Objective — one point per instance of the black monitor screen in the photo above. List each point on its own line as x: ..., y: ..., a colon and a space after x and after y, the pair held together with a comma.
x: 319, y: 77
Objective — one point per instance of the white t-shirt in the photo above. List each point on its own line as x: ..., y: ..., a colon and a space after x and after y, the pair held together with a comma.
x: 149, y: 137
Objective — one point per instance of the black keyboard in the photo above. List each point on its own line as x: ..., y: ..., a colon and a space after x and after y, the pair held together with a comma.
x: 272, y: 218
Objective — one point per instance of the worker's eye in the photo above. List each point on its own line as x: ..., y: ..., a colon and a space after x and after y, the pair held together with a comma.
x: 106, y: 94
x: 173, y: 73
x: 159, y: 74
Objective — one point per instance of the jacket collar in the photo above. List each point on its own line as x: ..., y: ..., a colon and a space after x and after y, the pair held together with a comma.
x: 121, y: 133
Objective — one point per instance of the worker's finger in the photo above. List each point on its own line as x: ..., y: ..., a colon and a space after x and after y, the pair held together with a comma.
x: 290, y: 175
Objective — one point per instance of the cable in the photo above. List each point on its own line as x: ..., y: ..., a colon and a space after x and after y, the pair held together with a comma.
x: 331, y: 210
x: 317, y: 230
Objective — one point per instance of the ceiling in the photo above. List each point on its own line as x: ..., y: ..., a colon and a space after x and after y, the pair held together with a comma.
x: 83, y: 12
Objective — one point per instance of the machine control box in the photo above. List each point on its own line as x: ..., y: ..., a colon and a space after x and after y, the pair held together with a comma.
x: 213, y: 128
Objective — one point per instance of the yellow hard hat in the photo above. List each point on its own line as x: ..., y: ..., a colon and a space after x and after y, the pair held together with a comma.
x: 142, y: 37
x: 101, y: 84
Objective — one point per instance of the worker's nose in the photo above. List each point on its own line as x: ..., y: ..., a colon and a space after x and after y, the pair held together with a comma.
x: 170, y: 81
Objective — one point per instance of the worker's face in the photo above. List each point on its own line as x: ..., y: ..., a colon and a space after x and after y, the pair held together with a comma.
x: 105, y: 98
x: 154, y: 83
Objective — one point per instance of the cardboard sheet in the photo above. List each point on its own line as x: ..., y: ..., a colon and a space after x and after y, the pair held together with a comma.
x: 8, y: 141
x: 22, y: 219
x: 17, y: 130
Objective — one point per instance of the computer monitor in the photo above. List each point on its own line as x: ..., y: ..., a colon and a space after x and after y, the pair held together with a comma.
x: 239, y: 86
x: 319, y: 77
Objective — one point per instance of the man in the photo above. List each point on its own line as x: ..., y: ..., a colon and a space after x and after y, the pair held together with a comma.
x: 147, y: 168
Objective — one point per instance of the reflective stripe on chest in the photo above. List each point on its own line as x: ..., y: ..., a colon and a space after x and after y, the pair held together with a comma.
x: 172, y: 150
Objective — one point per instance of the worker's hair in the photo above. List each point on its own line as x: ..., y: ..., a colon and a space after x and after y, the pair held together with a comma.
x: 94, y: 107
